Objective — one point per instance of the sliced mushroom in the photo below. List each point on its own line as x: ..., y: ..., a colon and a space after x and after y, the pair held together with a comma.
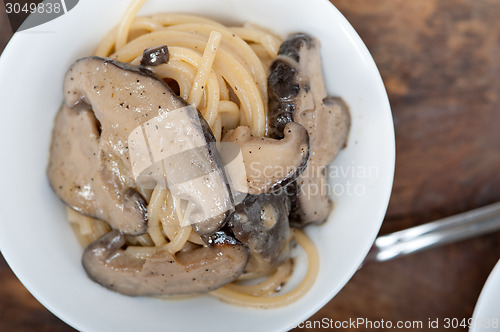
x: 90, y: 180
x: 178, y: 151
x: 261, y: 223
x: 288, y: 83
x: 271, y: 164
x: 198, y: 271
x: 115, y: 100
x: 311, y: 203
x: 155, y: 56
x: 297, y: 94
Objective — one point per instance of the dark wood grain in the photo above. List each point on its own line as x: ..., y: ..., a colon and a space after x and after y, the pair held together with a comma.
x: 440, y: 61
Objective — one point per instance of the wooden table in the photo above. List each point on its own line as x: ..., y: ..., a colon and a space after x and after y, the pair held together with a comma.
x: 440, y: 61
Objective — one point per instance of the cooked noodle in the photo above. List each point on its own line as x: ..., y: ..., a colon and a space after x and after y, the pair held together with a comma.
x: 250, y: 298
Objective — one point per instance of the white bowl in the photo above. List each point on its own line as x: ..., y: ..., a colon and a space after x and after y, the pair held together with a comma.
x: 38, y: 243
x: 486, y: 315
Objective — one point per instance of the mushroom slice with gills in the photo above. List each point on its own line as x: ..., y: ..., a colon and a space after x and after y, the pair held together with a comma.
x: 297, y: 94
x: 126, y: 99
x: 197, y: 271
x: 271, y: 164
x: 261, y: 223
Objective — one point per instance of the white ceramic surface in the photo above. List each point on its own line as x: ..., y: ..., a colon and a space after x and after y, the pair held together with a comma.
x: 486, y: 315
x: 37, y: 241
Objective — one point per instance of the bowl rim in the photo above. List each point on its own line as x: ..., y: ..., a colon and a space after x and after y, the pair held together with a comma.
x: 487, y: 300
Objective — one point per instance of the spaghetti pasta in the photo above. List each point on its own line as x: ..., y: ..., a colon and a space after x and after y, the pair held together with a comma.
x: 239, y: 296
x: 223, y: 72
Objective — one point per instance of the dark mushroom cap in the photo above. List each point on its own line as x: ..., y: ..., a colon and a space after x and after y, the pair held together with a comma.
x: 261, y: 223
x: 155, y: 56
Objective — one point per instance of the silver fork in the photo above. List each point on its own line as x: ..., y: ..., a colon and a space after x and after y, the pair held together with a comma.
x: 450, y: 229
